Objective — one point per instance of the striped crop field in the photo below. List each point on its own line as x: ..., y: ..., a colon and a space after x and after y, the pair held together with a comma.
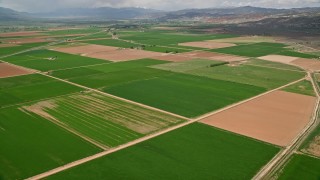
x: 102, y: 119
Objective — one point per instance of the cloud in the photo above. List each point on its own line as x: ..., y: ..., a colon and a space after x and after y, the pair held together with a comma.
x: 50, y: 5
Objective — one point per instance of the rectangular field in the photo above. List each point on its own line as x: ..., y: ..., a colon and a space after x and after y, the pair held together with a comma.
x: 275, y: 118
x: 7, y: 70
x: 103, y: 119
x: 186, y: 95
x: 11, y: 50
x: 301, y: 167
x: 269, y: 75
x: 32, y: 87
x: 196, y: 151
x: 31, y: 145
x: 46, y: 60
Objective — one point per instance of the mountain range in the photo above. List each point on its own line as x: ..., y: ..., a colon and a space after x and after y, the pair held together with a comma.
x: 246, y: 12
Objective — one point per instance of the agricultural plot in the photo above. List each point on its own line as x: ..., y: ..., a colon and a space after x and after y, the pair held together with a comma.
x: 190, y: 65
x: 31, y: 145
x: 301, y: 167
x: 207, y: 44
x: 164, y: 38
x: 11, y: 50
x: 73, y: 31
x: 112, y: 74
x: 273, y: 64
x: 107, y: 121
x: 214, y: 56
x: 33, y: 87
x: 253, y: 72
x: 7, y: 70
x: 186, y: 95
x: 20, y: 34
x: 303, y: 87
x: 261, y: 49
x: 196, y: 151
x: 275, y: 118
x: 46, y: 60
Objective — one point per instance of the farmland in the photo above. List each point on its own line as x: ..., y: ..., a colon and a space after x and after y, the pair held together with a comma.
x: 103, y: 119
x: 127, y: 100
x: 261, y: 74
x: 46, y: 60
x: 31, y: 145
x: 261, y: 49
x: 175, y: 93
x: 207, y: 153
x: 33, y: 87
x: 301, y: 167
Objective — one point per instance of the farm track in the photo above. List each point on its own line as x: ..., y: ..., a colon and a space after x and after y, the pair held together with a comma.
x: 269, y: 171
x: 265, y: 171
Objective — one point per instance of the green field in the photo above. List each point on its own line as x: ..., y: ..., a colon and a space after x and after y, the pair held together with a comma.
x: 261, y: 74
x: 196, y: 151
x: 270, y: 64
x: 164, y: 38
x: 188, y: 65
x: 301, y: 167
x: 261, y: 49
x: 11, y: 50
x: 31, y: 145
x: 112, y: 42
x: 113, y: 73
x: 33, y: 87
x: 106, y: 120
x: 40, y: 60
x: 184, y: 94
x: 73, y: 31
x: 303, y: 87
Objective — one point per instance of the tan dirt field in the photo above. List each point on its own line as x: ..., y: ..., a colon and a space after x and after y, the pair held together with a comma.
x: 314, y: 147
x: 7, y: 45
x: 86, y: 49
x: 22, y: 33
x: 276, y: 118
x: 173, y: 58
x: 26, y: 40
x: 213, y: 56
x: 279, y: 58
x: 245, y: 39
x: 207, y: 44
x: 124, y: 55
x: 308, y: 64
x: 108, y: 52
x: 7, y: 70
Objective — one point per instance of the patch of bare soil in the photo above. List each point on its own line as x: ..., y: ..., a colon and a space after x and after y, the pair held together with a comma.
x: 40, y: 107
x: 7, y: 70
x: 26, y: 40
x: 21, y: 33
x: 275, y: 118
x: 86, y: 50
x: 314, y: 147
x: 279, y: 58
x: 308, y: 64
x: 7, y: 45
x: 208, y: 44
x: 173, y: 58
x: 213, y: 56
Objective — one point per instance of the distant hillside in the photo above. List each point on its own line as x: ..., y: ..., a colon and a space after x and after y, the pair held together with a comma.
x: 103, y: 12
x: 7, y: 14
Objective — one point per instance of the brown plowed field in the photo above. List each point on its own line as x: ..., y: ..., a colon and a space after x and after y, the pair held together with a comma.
x: 7, y: 70
x: 173, y: 58
x: 213, y: 56
x: 275, y: 118
x: 22, y: 33
x: 279, y: 58
x: 308, y: 64
x: 26, y: 40
x: 207, y: 44
x: 108, y: 52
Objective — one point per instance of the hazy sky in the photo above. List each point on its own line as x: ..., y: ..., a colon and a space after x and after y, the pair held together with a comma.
x: 49, y: 5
